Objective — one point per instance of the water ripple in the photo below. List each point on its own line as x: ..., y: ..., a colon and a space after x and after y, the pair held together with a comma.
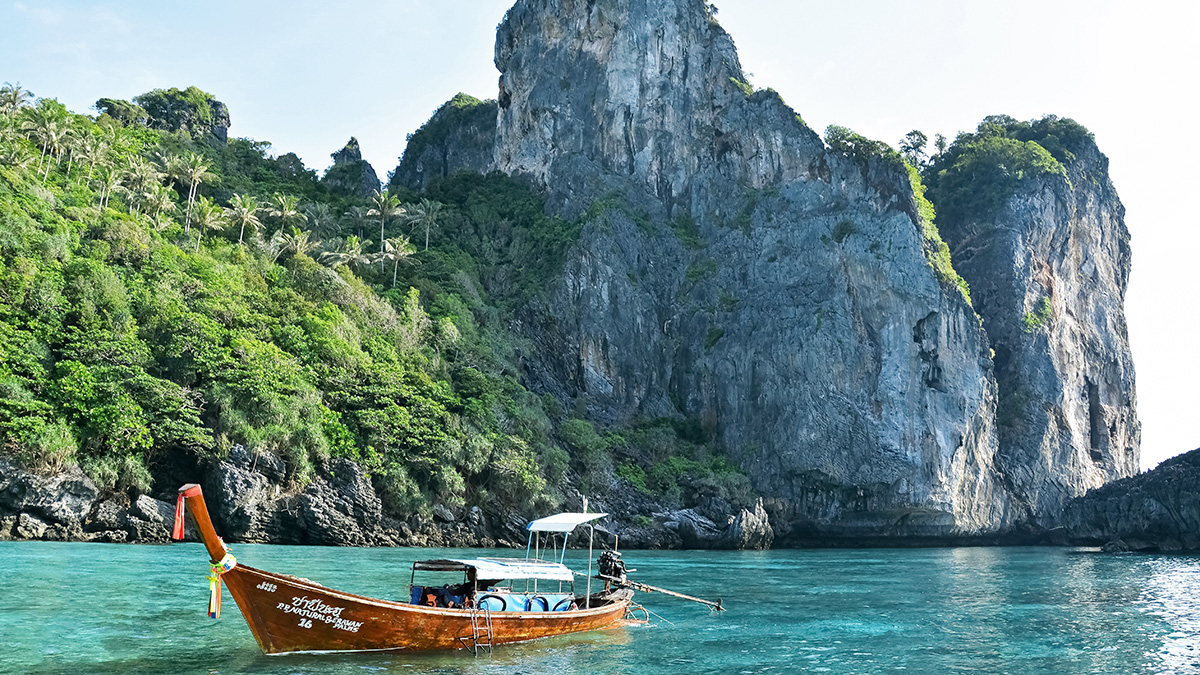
x: 91, y: 608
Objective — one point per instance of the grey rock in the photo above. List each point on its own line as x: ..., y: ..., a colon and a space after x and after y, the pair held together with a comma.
x: 107, y: 537
x: 1068, y: 408
x: 750, y: 530
x: 240, y: 500
x: 30, y: 527
x: 190, y: 119
x: 443, y: 514
x: 153, y: 510
x: 64, y: 498
x: 458, y: 137
x: 7, y: 525
x: 1115, y: 546
x: 107, y: 515
x: 843, y: 376
x: 1156, y: 510
x: 220, y: 124
x: 149, y: 520
x: 341, y: 508
x: 476, y: 518
x: 351, y: 175
x: 695, y: 530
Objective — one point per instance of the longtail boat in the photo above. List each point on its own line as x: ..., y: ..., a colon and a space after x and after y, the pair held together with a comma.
x: 290, y: 614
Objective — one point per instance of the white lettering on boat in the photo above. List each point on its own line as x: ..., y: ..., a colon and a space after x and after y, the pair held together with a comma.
x: 268, y: 587
x: 317, y: 610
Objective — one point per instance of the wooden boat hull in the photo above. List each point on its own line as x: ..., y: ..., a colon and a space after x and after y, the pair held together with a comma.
x: 286, y: 614
x: 289, y: 614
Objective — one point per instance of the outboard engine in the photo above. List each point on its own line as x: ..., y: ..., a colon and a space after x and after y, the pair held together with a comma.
x: 611, y: 566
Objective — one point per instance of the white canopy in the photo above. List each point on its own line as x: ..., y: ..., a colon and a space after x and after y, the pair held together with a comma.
x: 562, y: 522
x: 511, y: 568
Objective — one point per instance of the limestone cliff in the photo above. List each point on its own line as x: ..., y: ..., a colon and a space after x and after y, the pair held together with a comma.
x: 735, y: 270
x: 350, y: 174
x: 459, y: 136
x: 1047, y: 257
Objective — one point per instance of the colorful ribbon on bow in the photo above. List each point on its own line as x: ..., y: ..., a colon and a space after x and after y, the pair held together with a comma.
x: 214, y: 583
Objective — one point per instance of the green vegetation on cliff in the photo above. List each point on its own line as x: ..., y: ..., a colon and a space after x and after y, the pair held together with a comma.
x: 863, y: 150
x: 461, y: 112
x: 977, y: 174
x: 163, y: 297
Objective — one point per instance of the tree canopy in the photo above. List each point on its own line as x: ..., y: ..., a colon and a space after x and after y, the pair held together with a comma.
x: 136, y: 348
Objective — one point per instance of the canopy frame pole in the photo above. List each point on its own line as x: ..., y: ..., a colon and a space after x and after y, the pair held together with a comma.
x: 587, y: 603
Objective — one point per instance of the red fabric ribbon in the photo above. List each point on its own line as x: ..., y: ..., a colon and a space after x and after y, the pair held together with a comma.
x: 177, y: 533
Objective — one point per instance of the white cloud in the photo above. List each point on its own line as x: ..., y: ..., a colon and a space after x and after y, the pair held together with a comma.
x: 44, y: 15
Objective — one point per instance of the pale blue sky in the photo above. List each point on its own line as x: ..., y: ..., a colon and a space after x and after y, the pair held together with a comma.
x: 308, y: 75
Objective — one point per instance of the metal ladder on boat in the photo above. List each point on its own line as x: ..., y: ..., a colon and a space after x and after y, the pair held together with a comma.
x: 481, y: 630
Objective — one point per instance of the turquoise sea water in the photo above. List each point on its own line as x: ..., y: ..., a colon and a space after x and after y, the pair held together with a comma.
x: 97, y: 608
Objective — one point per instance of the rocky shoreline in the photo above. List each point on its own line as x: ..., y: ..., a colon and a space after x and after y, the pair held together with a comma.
x: 1158, y: 510
x: 250, y: 502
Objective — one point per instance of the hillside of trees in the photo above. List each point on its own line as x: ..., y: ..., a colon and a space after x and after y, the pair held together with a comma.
x: 166, y: 293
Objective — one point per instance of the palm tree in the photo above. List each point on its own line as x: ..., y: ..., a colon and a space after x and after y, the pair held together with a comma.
x: 356, y: 216
x: 286, y: 210
x: 209, y: 216
x: 46, y: 126
x: 15, y: 155
x: 396, y: 250
x: 298, y: 242
x: 320, y: 217
x: 427, y: 213
x: 109, y: 178
x: 193, y: 171
x: 349, y: 252
x: 92, y: 149
x: 140, y: 178
x: 242, y: 212
x: 13, y: 98
x: 8, y: 127
x: 273, y: 247
x: 384, y: 205
x: 158, y: 199
x: 161, y: 221
x: 67, y: 143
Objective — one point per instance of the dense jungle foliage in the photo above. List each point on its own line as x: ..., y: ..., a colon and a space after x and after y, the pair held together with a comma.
x: 165, y: 294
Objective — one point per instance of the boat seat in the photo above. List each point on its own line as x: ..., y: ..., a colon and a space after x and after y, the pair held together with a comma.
x: 443, y: 594
x: 525, y: 602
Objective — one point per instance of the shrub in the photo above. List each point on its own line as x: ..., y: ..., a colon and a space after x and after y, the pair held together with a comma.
x: 845, y: 142
x: 699, y: 270
x: 979, y: 172
x: 843, y: 229
x: 713, y: 337
x: 632, y: 473
x: 1039, y: 317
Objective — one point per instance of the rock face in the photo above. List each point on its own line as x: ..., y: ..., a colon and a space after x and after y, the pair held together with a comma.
x: 191, y: 111
x: 350, y: 174
x: 459, y: 137
x: 67, y: 507
x: 1157, y: 510
x: 219, y: 128
x: 1048, y: 274
x: 734, y: 270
